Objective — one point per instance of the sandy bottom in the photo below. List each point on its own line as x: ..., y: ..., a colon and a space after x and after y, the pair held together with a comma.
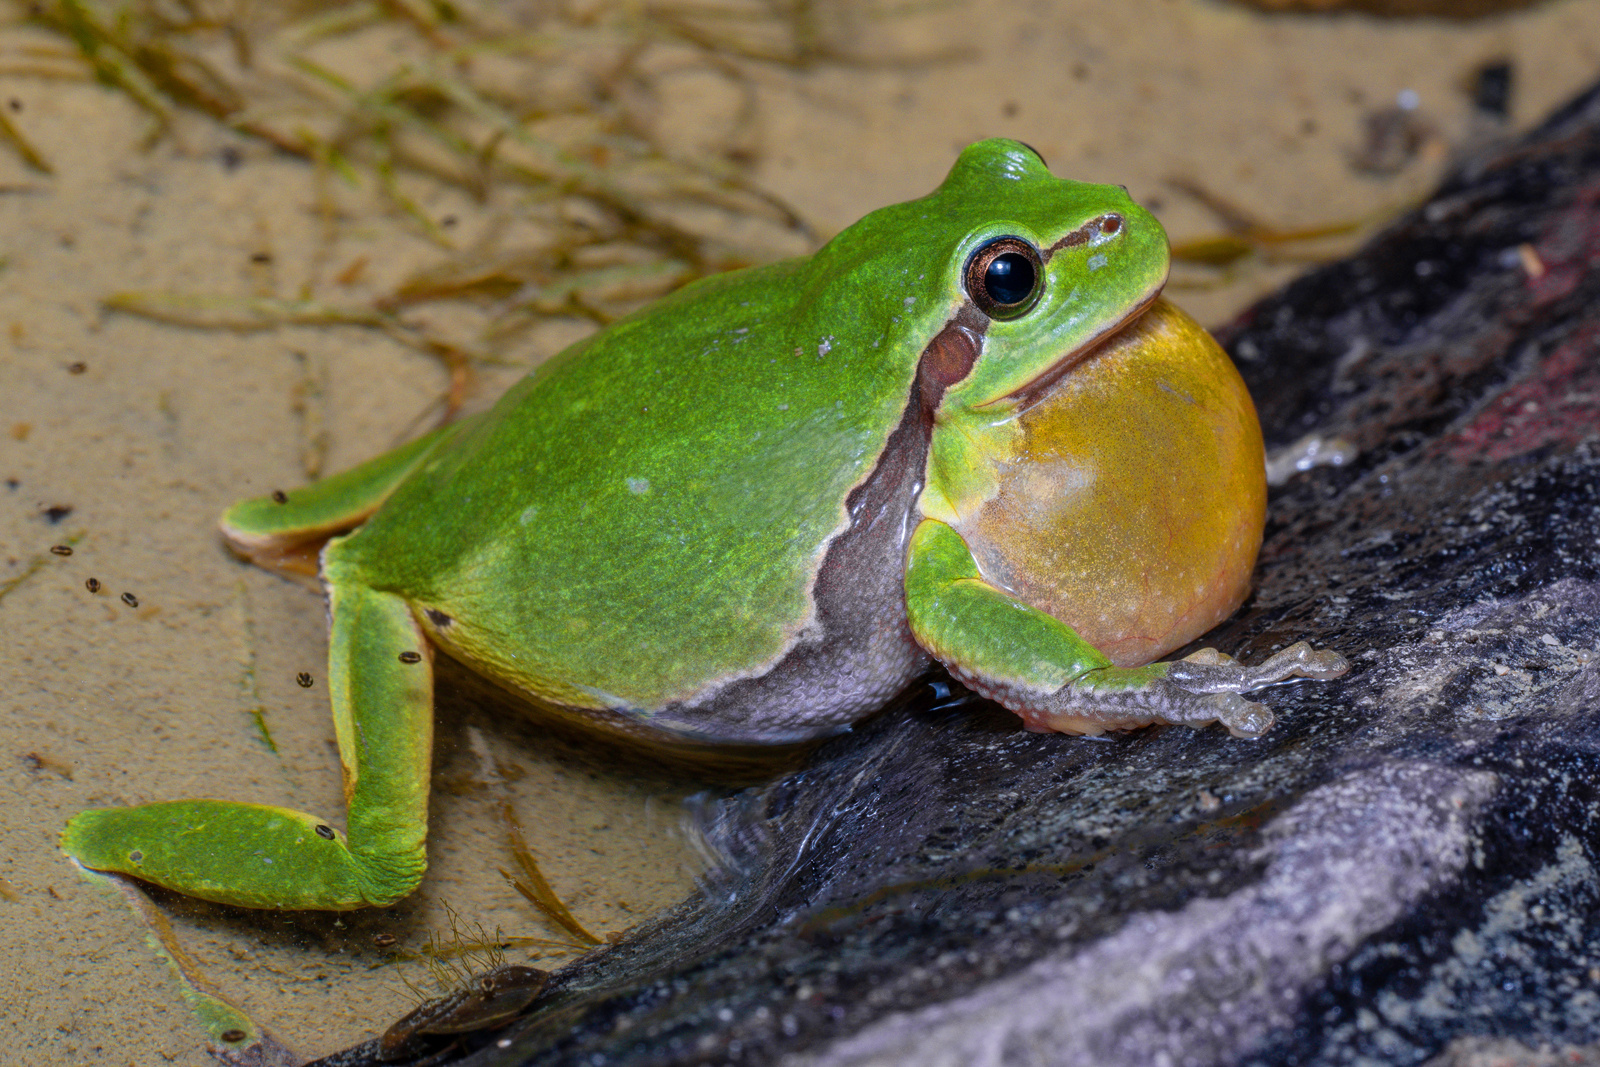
x: 132, y: 460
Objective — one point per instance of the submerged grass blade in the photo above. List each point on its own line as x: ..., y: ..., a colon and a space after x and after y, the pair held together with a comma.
x: 536, y: 889
x: 30, y: 155
x: 242, y: 313
x: 522, y: 105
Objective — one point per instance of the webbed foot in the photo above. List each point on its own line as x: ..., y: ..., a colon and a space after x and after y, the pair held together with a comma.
x: 1195, y: 691
x: 1210, y: 671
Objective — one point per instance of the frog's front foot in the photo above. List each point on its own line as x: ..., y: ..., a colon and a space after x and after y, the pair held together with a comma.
x: 1222, y: 678
x: 1210, y: 671
x: 1195, y: 691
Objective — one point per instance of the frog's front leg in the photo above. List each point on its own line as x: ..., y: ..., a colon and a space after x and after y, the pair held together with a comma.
x: 1040, y: 668
x: 380, y: 678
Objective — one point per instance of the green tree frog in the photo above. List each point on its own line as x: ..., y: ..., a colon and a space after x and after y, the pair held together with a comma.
x: 965, y: 430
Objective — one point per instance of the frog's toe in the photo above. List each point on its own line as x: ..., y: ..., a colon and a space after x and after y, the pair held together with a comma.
x: 1210, y: 671
x: 1243, y: 718
x: 1210, y: 657
x: 1316, y: 662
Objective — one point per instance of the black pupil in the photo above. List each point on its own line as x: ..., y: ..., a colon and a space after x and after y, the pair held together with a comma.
x: 1009, y: 278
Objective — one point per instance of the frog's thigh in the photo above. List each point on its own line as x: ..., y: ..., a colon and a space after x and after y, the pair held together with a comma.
x: 1032, y: 662
x: 257, y: 856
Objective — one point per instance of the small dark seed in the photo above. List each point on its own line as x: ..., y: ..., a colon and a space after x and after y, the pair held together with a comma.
x: 261, y: 257
x: 92, y: 584
x: 279, y: 496
x: 233, y: 1037
x: 410, y: 657
x: 61, y: 550
x: 385, y: 940
x: 305, y: 679
x: 77, y: 368
x: 57, y: 512
x: 324, y: 831
x: 130, y: 600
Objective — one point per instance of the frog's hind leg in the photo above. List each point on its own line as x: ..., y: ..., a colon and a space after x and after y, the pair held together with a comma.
x: 283, y: 532
x: 256, y: 856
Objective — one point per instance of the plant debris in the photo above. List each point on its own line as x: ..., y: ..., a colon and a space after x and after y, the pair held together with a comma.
x: 544, y: 114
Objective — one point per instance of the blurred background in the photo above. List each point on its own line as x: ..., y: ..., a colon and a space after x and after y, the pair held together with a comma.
x: 245, y: 244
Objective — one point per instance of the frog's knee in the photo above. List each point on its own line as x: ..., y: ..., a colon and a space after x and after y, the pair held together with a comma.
x: 389, y: 879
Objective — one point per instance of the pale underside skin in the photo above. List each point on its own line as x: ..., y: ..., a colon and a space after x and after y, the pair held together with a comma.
x: 764, y: 569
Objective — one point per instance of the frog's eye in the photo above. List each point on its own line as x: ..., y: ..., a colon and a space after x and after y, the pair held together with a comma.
x: 1005, y: 277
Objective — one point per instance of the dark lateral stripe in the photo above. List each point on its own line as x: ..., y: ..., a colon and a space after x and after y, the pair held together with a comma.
x: 951, y: 354
x: 1109, y: 223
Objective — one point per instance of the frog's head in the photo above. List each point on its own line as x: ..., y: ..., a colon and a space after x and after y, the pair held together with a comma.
x: 1043, y: 269
x: 1015, y: 276
x: 1093, y: 446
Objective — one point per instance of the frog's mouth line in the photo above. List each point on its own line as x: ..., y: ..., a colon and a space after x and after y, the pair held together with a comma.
x: 1036, y: 389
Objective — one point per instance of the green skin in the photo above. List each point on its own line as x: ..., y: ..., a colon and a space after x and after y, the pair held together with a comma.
x: 654, y: 532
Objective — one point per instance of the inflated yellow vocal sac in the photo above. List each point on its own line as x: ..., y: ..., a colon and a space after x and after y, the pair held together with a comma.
x: 1133, y: 506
